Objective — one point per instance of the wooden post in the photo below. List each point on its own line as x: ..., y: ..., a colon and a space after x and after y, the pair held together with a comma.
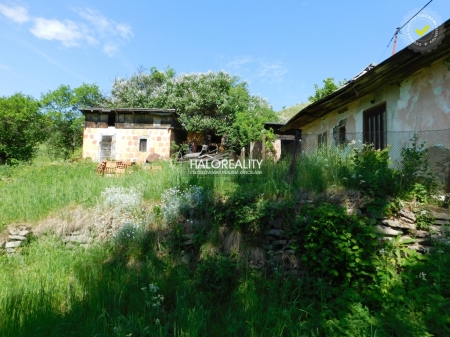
x: 243, y: 153
x: 294, y: 155
x: 252, y: 148
x: 263, y: 146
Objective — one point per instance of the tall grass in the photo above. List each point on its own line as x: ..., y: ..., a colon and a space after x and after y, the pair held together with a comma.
x: 29, y: 193
x: 322, y: 169
x: 55, y: 291
x: 140, y: 285
x: 109, y: 290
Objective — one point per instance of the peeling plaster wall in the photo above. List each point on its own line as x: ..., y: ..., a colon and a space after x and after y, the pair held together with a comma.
x: 420, y: 102
x: 126, y: 143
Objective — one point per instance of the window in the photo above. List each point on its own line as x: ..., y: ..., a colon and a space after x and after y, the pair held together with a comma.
x: 143, y: 145
x: 322, y: 140
x: 339, y: 133
x: 374, y: 126
x: 111, y: 119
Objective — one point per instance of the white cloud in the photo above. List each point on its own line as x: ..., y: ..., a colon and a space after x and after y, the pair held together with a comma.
x: 240, y: 61
x: 17, y: 14
x: 104, y: 26
x: 92, y: 29
x: 124, y: 30
x: 110, y: 49
x: 68, y: 32
x: 111, y: 33
x: 271, y: 72
x: 251, y: 67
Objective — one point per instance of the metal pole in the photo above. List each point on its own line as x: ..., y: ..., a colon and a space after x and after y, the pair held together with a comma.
x: 395, y: 40
x: 294, y: 155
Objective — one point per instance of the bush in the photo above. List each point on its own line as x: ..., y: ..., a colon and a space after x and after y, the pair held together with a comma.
x: 415, y: 169
x: 177, y: 204
x: 217, y: 277
x: 371, y: 173
x: 335, y: 245
x: 121, y: 198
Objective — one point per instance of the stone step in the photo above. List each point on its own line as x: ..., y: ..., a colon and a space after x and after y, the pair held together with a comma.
x: 13, y: 244
x: 398, y: 224
x: 17, y: 237
x: 386, y: 231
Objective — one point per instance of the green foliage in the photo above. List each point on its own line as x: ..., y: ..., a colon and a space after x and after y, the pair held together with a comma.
x: 321, y: 170
x: 328, y: 87
x: 415, y: 169
x: 179, y: 205
x: 424, y: 220
x: 370, y: 172
x: 65, y: 134
x: 249, y: 125
x: 135, y: 284
x: 21, y: 127
x: 204, y: 101
x: 334, y: 245
x: 217, y: 277
x: 250, y: 211
x: 139, y: 89
x: 75, y: 183
x: 178, y: 150
x: 419, y: 193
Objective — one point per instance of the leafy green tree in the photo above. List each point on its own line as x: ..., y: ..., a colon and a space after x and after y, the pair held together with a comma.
x: 65, y: 134
x: 138, y: 90
x: 249, y: 125
x: 328, y: 87
x: 21, y: 126
x: 208, y: 101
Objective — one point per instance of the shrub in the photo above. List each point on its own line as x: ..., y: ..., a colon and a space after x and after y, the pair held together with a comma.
x: 335, y: 245
x: 177, y: 204
x: 121, y: 198
x: 129, y: 233
x: 415, y: 169
x: 371, y: 173
x: 217, y: 277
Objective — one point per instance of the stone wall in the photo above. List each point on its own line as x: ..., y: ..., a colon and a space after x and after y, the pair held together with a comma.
x: 125, y: 144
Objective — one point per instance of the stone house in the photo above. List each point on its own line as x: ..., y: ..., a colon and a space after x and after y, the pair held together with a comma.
x: 130, y: 134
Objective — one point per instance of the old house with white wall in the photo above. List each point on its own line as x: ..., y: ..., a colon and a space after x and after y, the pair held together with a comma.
x: 407, y: 94
x: 129, y: 134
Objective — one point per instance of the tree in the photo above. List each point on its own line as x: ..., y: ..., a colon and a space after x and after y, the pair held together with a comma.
x: 328, y: 87
x: 204, y: 101
x: 136, y: 91
x: 61, y: 107
x: 21, y: 127
x: 249, y: 125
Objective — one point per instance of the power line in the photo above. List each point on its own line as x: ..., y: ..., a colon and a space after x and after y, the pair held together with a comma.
x: 398, y: 29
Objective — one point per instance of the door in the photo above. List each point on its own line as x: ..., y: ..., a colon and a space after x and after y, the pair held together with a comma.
x: 106, y: 150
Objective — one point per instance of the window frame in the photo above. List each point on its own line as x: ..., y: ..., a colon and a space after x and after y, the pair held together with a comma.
x: 322, y: 140
x: 375, y: 126
x: 146, y: 144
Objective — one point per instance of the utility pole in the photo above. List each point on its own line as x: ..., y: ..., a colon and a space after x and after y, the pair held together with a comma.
x: 395, y: 40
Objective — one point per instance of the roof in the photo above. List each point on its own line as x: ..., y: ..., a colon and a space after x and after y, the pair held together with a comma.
x: 393, y: 70
x: 275, y: 126
x: 153, y: 111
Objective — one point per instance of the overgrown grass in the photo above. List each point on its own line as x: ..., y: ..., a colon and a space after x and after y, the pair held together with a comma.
x: 139, y: 290
x: 139, y: 284
x: 30, y: 193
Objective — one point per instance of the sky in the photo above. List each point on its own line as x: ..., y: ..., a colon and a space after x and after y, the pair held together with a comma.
x: 280, y: 48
